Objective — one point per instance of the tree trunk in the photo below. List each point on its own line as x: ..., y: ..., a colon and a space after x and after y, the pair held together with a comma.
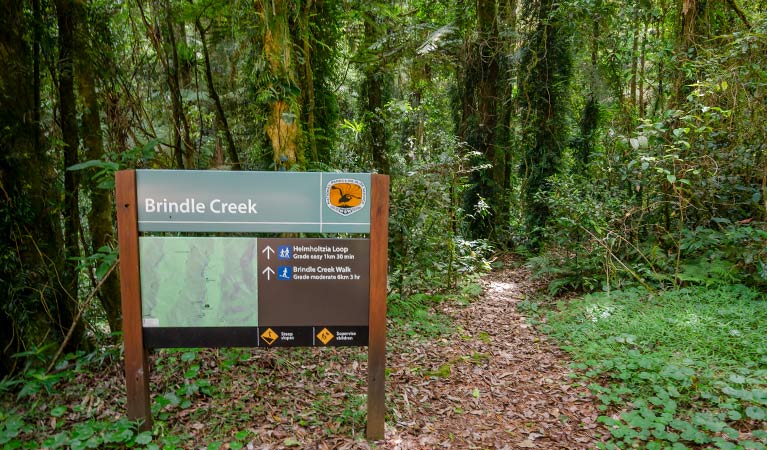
x: 173, y: 74
x: 317, y: 31
x: 686, y: 49
x: 634, y: 62
x: 165, y: 46
x: 376, y: 85
x: 584, y: 144
x: 642, y: 66
x: 283, y: 124
x: 231, y: 149
x: 486, y: 183
x: 308, y: 96
x: 66, y: 13
x: 30, y: 229
x: 100, y: 222
x: 544, y: 83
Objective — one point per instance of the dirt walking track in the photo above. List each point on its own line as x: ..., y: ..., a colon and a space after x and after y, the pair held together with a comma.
x: 495, y: 384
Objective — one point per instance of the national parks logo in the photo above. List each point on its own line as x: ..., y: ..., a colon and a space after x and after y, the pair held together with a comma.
x: 345, y: 196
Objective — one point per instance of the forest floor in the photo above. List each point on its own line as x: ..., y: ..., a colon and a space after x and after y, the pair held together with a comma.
x: 483, y: 379
x: 507, y: 386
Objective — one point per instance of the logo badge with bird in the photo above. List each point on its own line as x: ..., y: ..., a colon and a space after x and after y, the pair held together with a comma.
x: 345, y: 196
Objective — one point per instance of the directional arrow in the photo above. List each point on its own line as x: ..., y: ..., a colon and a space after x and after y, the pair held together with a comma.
x: 269, y: 272
x: 268, y: 250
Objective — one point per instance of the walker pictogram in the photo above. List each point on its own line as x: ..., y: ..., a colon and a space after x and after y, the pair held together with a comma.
x: 284, y: 273
x: 283, y: 252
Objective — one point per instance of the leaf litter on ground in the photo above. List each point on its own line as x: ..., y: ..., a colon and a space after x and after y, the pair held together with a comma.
x: 490, y: 381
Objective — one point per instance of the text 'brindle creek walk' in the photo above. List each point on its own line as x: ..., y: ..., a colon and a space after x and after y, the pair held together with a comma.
x: 313, y: 281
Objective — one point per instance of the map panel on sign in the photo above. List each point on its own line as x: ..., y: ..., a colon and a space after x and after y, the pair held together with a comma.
x: 199, y: 282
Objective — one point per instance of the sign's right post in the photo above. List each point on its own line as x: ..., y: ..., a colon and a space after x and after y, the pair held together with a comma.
x: 379, y: 239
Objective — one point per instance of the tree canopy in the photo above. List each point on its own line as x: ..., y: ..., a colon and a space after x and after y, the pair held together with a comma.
x: 613, y: 143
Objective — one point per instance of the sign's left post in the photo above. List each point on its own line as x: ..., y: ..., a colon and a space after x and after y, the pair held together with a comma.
x: 136, y: 361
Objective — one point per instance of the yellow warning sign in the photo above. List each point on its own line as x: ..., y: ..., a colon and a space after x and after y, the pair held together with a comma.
x: 325, y: 336
x: 269, y: 336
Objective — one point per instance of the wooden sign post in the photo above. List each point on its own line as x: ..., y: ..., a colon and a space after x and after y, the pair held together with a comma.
x: 279, y: 292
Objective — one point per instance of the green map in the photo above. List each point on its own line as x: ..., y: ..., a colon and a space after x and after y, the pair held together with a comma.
x: 199, y: 282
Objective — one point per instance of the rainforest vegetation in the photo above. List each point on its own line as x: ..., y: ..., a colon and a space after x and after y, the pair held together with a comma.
x: 619, y: 149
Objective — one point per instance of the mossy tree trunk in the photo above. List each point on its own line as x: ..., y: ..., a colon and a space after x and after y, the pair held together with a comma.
x: 34, y: 298
x: 544, y: 76
x: 486, y: 201
x: 67, y: 14
x: 282, y: 126
x: 376, y: 87
x: 100, y: 216
x: 323, y: 24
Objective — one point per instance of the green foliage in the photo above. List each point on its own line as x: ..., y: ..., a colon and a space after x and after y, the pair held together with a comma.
x: 413, y: 315
x: 660, y: 173
x: 545, y: 72
x: 104, y: 174
x: 737, y: 253
x: 19, y: 426
x: 687, y: 367
x: 100, y: 434
x: 427, y: 251
x: 581, y: 242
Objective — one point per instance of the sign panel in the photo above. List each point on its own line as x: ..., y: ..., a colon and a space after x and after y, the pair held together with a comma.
x: 228, y: 291
x: 207, y: 200
x: 313, y: 282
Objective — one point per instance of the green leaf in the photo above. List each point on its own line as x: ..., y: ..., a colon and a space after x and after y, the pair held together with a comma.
x: 94, y: 442
x: 89, y: 164
x: 724, y: 445
x: 737, y: 379
x: 671, y: 178
x: 756, y: 413
x: 29, y: 388
x: 58, y: 411
x: 241, y: 435
x: 12, y: 445
x: 172, y: 398
x: 107, y: 184
x: 144, y: 438
x: 291, y: 442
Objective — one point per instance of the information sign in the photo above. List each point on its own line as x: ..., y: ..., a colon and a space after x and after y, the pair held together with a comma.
x: 227, y: 291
